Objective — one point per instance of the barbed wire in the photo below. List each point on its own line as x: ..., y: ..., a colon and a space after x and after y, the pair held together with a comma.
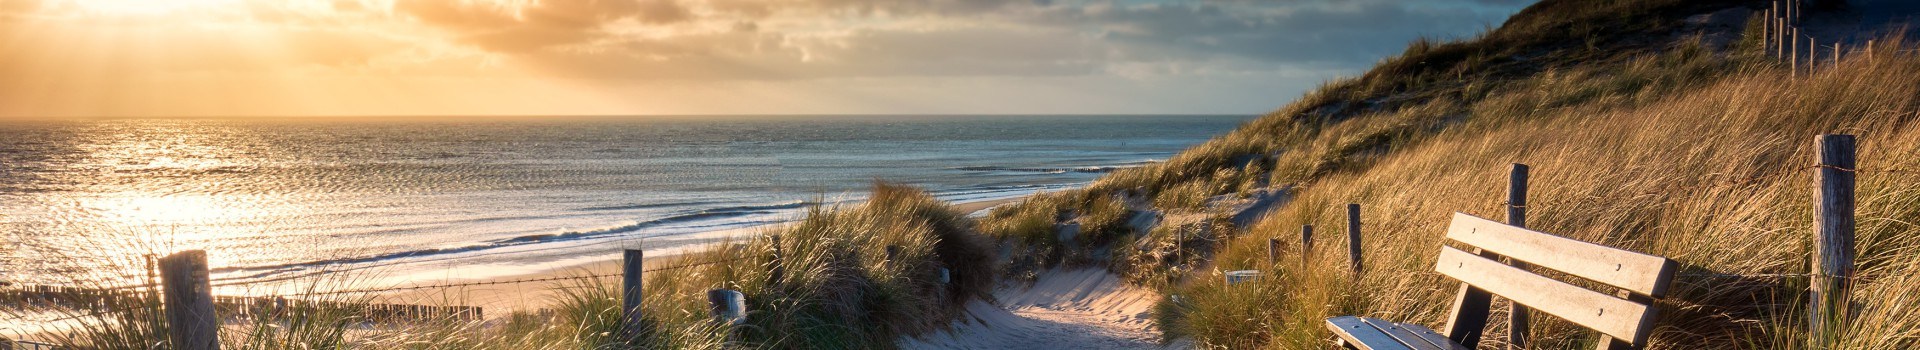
x: 457, y: 285
x: 518, y: 281
x: 1737, y: 275
x: 1777, y: 174
x: 450, y: 285
x: 682, y: 266
x: 418, y: 261
x: 1854, y: 278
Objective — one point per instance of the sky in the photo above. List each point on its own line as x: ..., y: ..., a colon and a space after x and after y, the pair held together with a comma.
x: 158, y: 58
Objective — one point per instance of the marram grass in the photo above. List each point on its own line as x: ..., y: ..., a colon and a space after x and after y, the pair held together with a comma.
x: 837, y: 292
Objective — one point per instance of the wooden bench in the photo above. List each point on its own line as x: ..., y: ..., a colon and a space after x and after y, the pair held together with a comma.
x: 1624, y: 318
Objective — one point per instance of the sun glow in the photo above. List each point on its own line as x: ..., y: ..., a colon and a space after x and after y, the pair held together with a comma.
x: 148, y: 7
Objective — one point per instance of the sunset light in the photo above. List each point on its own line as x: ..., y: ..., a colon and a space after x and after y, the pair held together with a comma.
x: 147, y: 7
x: 91, y: 58
x: 959, y: 174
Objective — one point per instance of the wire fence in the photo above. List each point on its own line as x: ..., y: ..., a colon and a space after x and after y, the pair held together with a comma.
x: 105, y: 311
x: 1775, y: 175
x: 516, y: 281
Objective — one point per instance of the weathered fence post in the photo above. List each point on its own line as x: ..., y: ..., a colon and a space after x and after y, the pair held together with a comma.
x: 1833, y: 247
x: 1518, y: 317
x: 1793, y: 12
x: 775, y: 270
x: 153, y: 292
x: 191, y: 322
x: 1273, y: 251
x: 1780, y: 39
x: 729, y: 309
x: 729, y: 306
x: 1353, y: 237
x: 634, y: 262
x: 1766, y: 31
x: 1306, y: 243
x: 893, y: 252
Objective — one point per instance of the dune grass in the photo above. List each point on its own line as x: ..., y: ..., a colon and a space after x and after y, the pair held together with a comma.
x: 837, y: 291
x: 1716, y: 178
x: 1640, y: 137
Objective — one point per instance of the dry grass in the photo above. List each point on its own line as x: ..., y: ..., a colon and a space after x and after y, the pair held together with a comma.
x: 837, y: 291
x: 1714, y: 177
x: 1639, y: 138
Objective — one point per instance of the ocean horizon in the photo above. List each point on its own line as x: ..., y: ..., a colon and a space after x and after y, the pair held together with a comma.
x: 417, y: 196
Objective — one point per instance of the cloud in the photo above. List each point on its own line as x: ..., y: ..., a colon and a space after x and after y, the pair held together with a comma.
x: 768, y: 56
x: 783, y: 40
x: 10, y: 9
x: 1205, y: 55
x: 864, y: 8
x: 537, y: 25
x: 1348, y: 32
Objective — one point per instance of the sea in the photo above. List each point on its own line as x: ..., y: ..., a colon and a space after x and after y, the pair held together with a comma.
x: 93, y: 201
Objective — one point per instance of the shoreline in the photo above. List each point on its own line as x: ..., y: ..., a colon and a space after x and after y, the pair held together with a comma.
x: 499, y: 299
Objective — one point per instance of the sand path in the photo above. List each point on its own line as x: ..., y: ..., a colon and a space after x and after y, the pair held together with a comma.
x: 1064, y: 309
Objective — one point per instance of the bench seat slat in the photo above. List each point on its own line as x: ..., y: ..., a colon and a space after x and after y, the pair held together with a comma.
x: 1604, y: 313
x: 1640, y: 273
x: 1420, y: 337
x: 1367, y: 334
x: 1433, y: 337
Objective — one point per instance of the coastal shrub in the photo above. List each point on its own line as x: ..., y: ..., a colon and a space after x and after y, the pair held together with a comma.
x: 1103, y: 219
x: 1026, y: 233
x: 837, y: 289
x: 1168, y: 253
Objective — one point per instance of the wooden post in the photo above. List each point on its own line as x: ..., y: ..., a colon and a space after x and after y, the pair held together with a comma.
x: 1793, y: 58
x: 728, y: 306
x: 1353, y: 237
x: 191, y: 322
x: 893, y: 252
x: 630, y: 284
x: 1836, y: 52
x: 1766, y: 32
x: 1780, y: 39
x: 1273, y: 251
x: 1519, y: 319
x: 1306, y: 243
x: 1833, y: 252
x: 775, y: 270
x: 153, y: 293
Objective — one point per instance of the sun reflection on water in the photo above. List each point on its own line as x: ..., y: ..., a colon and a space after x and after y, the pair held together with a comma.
x: 150, y: 189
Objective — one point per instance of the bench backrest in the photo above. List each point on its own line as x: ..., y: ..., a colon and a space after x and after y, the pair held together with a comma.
x: 1625, y: 315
